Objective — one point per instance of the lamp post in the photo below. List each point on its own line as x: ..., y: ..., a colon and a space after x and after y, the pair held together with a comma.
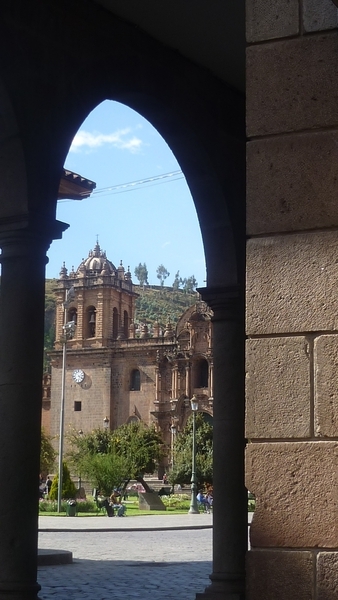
x: 68, y: 330
x: 80, y: 432
x: 193, y: 510
x: 173, y: 431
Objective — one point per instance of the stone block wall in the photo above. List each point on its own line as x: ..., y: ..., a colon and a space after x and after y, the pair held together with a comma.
x: 292, y: 298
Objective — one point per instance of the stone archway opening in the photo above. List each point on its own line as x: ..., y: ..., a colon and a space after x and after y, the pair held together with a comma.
x: 161, y: 222
x: 202, y: 120
x: 225, y: 293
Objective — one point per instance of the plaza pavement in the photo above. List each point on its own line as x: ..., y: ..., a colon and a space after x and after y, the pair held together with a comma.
x: 135, y: 523
x: 155, y: 557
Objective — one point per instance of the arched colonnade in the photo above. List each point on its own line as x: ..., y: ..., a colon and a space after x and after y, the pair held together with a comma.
x: 60, y: 65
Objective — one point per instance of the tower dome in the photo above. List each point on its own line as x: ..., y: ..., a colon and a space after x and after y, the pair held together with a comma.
x: 97, y: 263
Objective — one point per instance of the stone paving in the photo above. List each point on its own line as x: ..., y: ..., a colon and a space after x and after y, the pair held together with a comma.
x: 155, y: 557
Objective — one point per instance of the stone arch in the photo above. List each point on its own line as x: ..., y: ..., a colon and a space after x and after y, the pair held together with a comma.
x: 207, y: 415
x: 72, y: 314
x: 66, y: 68
x: 133, y: 419
x: 90, y: 322
x: 200, y: 372
x: 150, y: 83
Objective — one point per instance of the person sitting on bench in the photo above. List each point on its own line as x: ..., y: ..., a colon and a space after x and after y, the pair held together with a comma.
x: 203, y: 500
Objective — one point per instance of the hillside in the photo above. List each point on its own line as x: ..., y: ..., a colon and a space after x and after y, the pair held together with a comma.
x: 158, y: 304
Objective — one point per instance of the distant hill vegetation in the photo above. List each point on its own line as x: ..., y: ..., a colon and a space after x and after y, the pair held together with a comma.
x: 154, y: 304
x: 160, y: 303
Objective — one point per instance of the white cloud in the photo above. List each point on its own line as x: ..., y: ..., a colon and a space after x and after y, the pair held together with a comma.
x: 122, y: 139
x: 166, y: 244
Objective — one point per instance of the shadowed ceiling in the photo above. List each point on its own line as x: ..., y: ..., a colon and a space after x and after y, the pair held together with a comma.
x: 210, y: 33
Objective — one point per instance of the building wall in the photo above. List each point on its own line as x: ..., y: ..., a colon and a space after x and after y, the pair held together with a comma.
x: 169, y: 365
x: 292, y: 325
x: 94, y: 394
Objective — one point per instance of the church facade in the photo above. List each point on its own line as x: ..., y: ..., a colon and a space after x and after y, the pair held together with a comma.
x: 115, y: 371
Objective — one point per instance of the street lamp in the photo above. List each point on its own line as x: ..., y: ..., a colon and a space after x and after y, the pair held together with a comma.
x: 193, y: 510
x: 106, y: 422
x: 80, y: 432
x: 173, y: 430
x: 68, y: 330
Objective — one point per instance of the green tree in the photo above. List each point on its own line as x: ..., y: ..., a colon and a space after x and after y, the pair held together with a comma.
x: 189, y: 284
x: 141, y: 273
x: 68, y: 486
x: 105, y: 471
x: 110, y: 457
x: 181, y: 472
x: 162, y: 274
x: 141, y: 445
x: 177, y: 282
x: 47, y: 454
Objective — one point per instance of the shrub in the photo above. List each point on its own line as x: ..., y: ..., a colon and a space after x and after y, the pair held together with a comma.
x: 180, y: 501
x: 82, y: 506
x: 68, y: 486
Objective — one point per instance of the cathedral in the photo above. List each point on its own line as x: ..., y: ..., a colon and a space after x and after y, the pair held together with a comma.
x: 115, y: 371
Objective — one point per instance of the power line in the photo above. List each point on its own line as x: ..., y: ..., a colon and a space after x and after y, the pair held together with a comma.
x: 135, y: 189
x: 131, y: 186
x: 137, y: 182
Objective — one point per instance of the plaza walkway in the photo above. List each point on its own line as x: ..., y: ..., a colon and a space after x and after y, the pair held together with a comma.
x: 150, y: 557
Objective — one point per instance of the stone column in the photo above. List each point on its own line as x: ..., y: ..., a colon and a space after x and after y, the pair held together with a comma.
x: 99, y: 316
x: 23, y: 262
x: 157, y: 383
x: 187, y: 380
x: 120, y: 335
x: 230, y: 496
x: 79, y: 332
x: 172, y: 383
x: 175, y: 389
x: 211, y: 379
x: 292, y: 304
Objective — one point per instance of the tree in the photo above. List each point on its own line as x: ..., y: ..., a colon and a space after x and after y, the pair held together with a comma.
x: 68, y: 486
x: 181, y: 472
x: 177, y: 282
x: 141, y: 273
x: 109, y: 458
x: 105, y: 471
x: 189, y: 284
x: 141, y: 445
x: 47, y: 454
x: 162, y: 274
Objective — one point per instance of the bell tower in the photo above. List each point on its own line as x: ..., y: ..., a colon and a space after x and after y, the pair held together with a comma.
x: 102, y: 305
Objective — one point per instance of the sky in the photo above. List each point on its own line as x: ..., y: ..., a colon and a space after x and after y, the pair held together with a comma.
x: 152, y: 220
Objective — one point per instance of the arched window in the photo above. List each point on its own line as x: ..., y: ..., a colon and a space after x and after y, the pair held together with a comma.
x: 201, y: 373
x: 115, y: 323
x: 133, y: 419
x: 72, y: 314
x: 126, y: 324
x: 91, y: 322
x: 135, y: 381
x: 208, y: 418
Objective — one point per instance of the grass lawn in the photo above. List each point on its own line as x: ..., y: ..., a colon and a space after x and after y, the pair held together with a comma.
x: 173, y: 504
